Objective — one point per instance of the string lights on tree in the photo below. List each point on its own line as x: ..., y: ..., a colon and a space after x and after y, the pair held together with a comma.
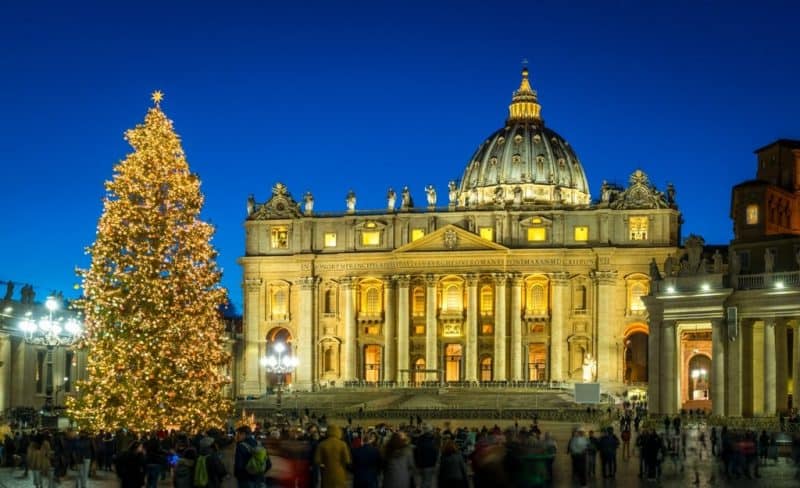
x: 152, y: 295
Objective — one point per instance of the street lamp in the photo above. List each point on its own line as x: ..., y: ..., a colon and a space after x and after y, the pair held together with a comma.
x: 279, y: 364
x: 51, y: 333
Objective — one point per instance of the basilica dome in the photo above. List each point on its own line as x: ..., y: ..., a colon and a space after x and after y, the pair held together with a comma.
x: 524, y: 163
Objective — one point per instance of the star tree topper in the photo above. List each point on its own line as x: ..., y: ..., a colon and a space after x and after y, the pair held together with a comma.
x: 157, y: 96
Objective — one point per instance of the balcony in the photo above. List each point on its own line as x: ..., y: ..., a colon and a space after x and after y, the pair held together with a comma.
x: 787, y: 279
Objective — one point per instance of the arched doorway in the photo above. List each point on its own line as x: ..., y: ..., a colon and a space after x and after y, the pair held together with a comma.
x: 278, y: 345
x: 486, y: 368
x: 372, y: 363
x: 698, y: 380
x: 419, y: 371
x: 635, y: 355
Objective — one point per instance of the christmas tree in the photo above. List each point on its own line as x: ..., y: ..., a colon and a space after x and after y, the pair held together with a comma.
x: 151, y: 297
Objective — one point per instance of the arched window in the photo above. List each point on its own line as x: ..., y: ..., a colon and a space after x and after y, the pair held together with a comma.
x: 487, y: 300
x: 418, y: 307
x: 537, y: 303
x: 330, y: 301
x: 419, y: 370
x: 638, y: 290
x: 452, y: 301
x: 279, y: 303
x: 373, y: 302
x: 486, y: 368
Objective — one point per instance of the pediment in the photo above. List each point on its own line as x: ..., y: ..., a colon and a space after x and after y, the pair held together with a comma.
x: 450, y: 238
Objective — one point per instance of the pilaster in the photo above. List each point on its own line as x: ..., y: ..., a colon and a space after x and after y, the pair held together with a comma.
x: 305, y: 333
x: 733, y: 375
x: 770, y: 379
x: 251, y: 383
x: 669, y: 368
x: 718, y: 339
x: 389, y: 333
x: 653, y: 366
x: 606, y: 349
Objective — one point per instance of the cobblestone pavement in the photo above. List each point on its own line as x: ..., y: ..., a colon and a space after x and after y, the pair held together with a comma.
x: 698, y: 471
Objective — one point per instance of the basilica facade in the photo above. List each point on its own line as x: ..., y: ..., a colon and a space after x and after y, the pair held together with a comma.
x: 518, y: 276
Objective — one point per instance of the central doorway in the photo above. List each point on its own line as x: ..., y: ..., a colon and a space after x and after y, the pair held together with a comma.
x: 453, y: 357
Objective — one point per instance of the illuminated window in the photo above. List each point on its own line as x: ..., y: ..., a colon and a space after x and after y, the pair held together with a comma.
x: 280, y: 237
x: 452, y: 301
x: 372, y: 363
x: 279, y: 306
x: 537, y: 234
x: 487, y: 300
x: 419, y: 329
x: 487, y: 329
x: 638, y: 228
x: 418, y: 304
x: 536, y: 220
x: 419, y: 374
x: 330, y: 239
x: 536, y: 295
x: 638, y: 290
x: 417, y: 234
x: 581, y: 233
x: 752, y: 214
x: 487, y: 233
x: 373, y: 302
x: 370, y: 238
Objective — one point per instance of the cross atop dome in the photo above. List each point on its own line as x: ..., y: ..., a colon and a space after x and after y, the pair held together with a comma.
x: 524, y: 104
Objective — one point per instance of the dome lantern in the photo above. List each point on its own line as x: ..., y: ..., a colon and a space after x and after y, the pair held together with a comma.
x: 524, y: 104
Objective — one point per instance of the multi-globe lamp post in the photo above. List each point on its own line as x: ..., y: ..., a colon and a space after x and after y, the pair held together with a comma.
x: 279, y: 364
x: 50, y: 333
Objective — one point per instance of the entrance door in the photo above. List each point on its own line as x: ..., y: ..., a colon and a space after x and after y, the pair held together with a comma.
x: 372, y: 363
x: 452, y: 353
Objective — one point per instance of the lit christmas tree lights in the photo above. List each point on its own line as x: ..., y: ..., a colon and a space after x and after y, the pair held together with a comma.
x: 151, y: 296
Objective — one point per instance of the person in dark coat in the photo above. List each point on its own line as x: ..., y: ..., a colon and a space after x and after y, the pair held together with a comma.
x: 366, y: 462
x: 452, y: 468
x: 214, y: 465
x: 184, y: 470
x: 608, y: 453
x: 130, y: 466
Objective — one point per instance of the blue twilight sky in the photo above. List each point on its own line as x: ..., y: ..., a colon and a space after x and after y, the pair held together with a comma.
x: 329, y: 96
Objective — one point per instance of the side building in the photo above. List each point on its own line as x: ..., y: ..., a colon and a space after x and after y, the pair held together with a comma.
x: 518, y: 277
x: 726, y: 329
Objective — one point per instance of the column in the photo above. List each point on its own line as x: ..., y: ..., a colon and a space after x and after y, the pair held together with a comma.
x: 770, y: 379
x: 402, y: 328
x: 5, y: 371
x: 718, y: 339
x: 606, y: 349
x: 389, y: 342
x: 499, y: 360
x: 471, y: 343
x: 781, y: 364
x: 304, y: 376
x: 669, y: 366
x: 349, y: 318
x: 560, y: 282
x: 733, y: 375
x: 253, y: 310
x: 431, y: 329
x: 653, y: 369
x: 516, y: 328
x: 796, y: 362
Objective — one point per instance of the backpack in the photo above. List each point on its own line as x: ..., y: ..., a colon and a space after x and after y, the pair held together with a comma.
x: 201, y: 472
x: 259, y: 462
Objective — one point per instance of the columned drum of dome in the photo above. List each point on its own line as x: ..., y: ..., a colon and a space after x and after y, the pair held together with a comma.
x: 524, y: 163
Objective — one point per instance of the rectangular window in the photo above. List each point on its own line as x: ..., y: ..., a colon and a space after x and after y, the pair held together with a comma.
x: 419, y: 329
x: 280, y: 237
x: 581, y: 233
x: 370, y: 238
x: 330, y: 239
x: 638, y: 227
x: 752, y: 214
x: 487, y: 329
x: 417, y: 234
x: 537, y: 234
x: 487, y: 233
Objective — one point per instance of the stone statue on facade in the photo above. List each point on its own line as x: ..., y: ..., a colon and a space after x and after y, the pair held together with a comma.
x: 473, y: 197
x: 251, y: 204
x: 452, y: 193
x: 351, y: 201
x: 654, y: 274
x: 28, y: 295
x: 9, y: 291
x: 517, y: 196
x: 430, y: 193
x: 406, y: 203
x: 769, y: 261
x: 669, y: 266
x: 589, y: 368
x: 308, y: 203
x: 671, y: 194
x: 391, y: 199
x: 717, y: 260
x: 605, y: 192
x: 557, y: 194
x: 499, y: 195
x: 734, y: 263
x: 694, y: 249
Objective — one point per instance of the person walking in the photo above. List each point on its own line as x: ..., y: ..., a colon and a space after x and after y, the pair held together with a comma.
x: 84, y: 454
x: 626, y: 444
x: 608, y: 453
x: 426, y: 454
x: 130, y: 466
x: 333, y: 458
x: 577, y: 450
x: 246, y: 444
x: 452, y: 468
x: 366, y: 462
x: 399, y: 469
x: 38, y: 455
